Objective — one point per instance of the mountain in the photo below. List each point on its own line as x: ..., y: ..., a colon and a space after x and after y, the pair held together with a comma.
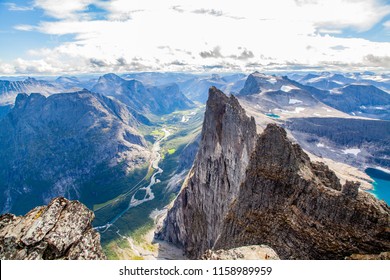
x: 228, y: 137
x: 327, y: 81
x: 330, y: 81
x: 280, y: 97
x: 163, y: 99
x: 60, y: 230
x: 158, y: 78
x: 196, y: 88
x: 10, y: 89
x: 55, y: 146
x: 357, y: 142
x: 360, y: 100
x: 247, y: 189
x: 73, y: 83
x: 169, y: 98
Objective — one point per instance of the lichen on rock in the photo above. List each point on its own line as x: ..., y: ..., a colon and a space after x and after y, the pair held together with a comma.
x: 60, y: 230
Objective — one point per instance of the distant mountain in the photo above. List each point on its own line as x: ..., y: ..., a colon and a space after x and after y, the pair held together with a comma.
x: 330, y: 81
x: 327, y: 81
x: 156, y: 100
x: 196, y: 89
x: 358, y: 100
x: 282, y: 97
x: 10, y: 89
x: 158, y: 78
x: 54, y: 146
x: 169, y: 98
x: 357, y: 142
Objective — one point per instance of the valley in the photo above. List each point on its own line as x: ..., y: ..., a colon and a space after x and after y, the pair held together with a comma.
x: 128, y: 146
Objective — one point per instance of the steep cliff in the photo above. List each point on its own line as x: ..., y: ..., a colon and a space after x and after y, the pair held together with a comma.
x: 228, y: 137
x: 60, y: 230
x: 246, y: 189
x: 300, y: 209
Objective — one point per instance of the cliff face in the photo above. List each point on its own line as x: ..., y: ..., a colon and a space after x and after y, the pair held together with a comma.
x: 60, y: 230
x: 300, y: 209
x: 228, y: 137
x: 246, y: 189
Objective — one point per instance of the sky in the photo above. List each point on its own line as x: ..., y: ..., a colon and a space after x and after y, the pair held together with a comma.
x: 57, y: 37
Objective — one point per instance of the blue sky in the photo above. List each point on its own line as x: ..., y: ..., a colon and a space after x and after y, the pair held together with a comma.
x: 83, y: 36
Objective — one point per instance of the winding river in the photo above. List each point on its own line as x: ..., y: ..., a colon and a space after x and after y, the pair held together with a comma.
x: 155, y: 159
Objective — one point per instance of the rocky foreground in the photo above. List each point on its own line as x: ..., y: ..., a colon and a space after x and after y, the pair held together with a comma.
x: 60, y: 230
x: 246, y: 189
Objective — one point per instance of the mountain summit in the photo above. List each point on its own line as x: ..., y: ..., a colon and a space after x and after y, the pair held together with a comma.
x: 248, y: 189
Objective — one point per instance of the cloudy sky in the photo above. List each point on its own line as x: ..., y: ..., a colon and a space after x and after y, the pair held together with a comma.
x: 41, y: 37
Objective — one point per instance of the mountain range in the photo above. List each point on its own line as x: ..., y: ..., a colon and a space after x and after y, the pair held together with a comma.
x: 124, y: 145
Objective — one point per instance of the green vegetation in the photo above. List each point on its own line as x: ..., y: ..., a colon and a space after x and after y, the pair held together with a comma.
x: 136, y: 222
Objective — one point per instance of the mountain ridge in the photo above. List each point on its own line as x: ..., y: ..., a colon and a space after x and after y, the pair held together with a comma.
x: 274, y: 199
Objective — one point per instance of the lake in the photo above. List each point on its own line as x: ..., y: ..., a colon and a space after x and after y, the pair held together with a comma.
x: 381, y: 184
x: 273, y: 116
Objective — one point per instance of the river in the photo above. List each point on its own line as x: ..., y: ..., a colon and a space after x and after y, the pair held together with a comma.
x: 154, y: 161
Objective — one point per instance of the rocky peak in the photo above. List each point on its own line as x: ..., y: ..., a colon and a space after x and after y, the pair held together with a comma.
x: 246, y: 189
x: 299, y: 208
x: 228, y: 137
x: 60, y: 230
x: 259, y: 82
x: 110, y: 77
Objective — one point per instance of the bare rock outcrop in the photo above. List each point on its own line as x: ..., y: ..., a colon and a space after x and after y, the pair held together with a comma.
x: 60, y: 230
x: 246, y: 189
x: 286, y: 205
x: 255, y: 252
x: 228, y: 138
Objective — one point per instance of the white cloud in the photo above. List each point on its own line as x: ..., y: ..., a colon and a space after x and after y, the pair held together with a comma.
x: 14, y: 7
x: 237, y: 35
x: 65, y: 9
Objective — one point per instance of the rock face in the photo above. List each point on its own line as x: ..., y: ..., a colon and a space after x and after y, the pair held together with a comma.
x: 228, y: 137
x: 297, y: 208
x: 255, y: 252
x: 60, y: 230
x: 248, y: 189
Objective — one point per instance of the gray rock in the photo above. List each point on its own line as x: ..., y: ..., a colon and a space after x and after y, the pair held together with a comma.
x: 227, y: 139
x: 61, y: 230
x: 246, y: 189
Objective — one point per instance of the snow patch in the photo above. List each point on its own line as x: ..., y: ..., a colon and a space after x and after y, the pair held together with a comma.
x: 272, y: 80
x: 327, y: 109
x: 294, y: 101
x: 352, y: 151
x: 299, y: 109
x: 320, y: 145
x: 287, y: 88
